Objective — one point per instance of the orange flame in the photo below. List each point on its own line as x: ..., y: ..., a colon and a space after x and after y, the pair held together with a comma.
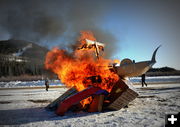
x: 116, y: 61
x: 86, y: 35
x: 74, y: 69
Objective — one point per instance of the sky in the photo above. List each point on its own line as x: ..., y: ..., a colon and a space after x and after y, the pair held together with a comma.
x: 130, y: 29
x: 141, y: 27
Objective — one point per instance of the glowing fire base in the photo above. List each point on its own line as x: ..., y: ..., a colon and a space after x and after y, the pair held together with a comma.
x: 99, y: 100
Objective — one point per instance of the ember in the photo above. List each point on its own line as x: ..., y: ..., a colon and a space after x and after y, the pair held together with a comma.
x: 81, y: 69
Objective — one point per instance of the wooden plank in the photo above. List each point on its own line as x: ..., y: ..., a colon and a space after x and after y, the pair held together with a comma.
x: 55, y: 103
x: 123, y: 100
x: 96, y: 104
x: 75, y: 99
x: 117, y: 90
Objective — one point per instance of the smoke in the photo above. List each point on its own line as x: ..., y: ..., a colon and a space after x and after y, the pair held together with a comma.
x: 47, y: 21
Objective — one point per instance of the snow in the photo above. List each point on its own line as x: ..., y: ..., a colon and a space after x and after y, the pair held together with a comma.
x: 40, y: 83
x: 25, y: 107
x: 157, y: 79
x: 20, y: 84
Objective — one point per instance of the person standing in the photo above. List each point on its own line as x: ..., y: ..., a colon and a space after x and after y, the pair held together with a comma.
x: 143, y: 80
x: 46, y: 84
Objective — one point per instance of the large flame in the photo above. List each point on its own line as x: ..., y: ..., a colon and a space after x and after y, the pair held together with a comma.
x: 86, y: 35
x: 76, y: 69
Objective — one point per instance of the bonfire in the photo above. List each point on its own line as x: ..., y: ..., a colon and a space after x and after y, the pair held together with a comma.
x: 92, y: 84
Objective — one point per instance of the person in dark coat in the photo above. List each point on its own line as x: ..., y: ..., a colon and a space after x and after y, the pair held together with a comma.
x: 143, y: 78
x: 46, y: 84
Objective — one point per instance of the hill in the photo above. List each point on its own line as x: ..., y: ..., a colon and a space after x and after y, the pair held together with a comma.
x: 19, y: 57
x: 9, y: 47
x: 163, y: 71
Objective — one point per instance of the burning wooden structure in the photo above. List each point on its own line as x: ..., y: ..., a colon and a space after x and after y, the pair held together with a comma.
x: 99, y: 99
x: 94, y: 86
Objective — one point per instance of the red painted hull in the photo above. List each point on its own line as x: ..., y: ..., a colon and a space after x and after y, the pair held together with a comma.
x: 75, y: 99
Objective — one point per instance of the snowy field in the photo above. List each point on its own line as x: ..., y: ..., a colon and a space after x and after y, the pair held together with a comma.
x: 22, y: 84
x: 40, y: 83
x: 25, y: 107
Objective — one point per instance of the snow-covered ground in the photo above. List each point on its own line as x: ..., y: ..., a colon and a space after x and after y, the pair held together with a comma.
x: 40, y: 83
x: 22, y: 84
x: 25, y: 107
x: 158, y: 79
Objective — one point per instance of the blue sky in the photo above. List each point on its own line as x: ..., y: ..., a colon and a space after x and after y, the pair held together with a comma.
x: 132, y: 28
x: 141, y: 28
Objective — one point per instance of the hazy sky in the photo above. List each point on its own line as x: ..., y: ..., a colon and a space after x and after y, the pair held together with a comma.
x: 132, y: 29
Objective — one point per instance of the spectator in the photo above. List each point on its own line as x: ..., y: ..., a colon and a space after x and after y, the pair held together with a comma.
x: 46, y: 84
x: 143, y: 80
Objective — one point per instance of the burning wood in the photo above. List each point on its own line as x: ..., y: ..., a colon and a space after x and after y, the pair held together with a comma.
x: 94, y: 87
x: 97, y: 46
x: 99, y: 100
x: 97, y: 103
x: 75, y: 99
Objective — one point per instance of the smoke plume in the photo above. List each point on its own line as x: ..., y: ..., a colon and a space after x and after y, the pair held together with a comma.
x: 45, y: 22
